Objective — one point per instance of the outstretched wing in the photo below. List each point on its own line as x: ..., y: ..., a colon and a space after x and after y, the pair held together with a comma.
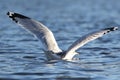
x: 85, y: 39
x: 38, y: 29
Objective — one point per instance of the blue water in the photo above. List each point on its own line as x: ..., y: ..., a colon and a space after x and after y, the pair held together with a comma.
x: 21, y: 57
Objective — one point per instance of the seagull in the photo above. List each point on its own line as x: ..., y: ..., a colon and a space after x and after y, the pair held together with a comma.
x: 45, y: 35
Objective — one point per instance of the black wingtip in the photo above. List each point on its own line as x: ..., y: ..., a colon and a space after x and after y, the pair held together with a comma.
x: 112, y: 28
x: 13, y: 15
x: 8, y: 13
x: 115, y: 28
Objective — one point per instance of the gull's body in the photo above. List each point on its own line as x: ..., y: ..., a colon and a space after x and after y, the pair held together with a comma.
x: 52, y: 50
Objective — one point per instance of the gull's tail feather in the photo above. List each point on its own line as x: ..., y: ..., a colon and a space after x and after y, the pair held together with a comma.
x: 85, y: 39
x: 38, y: 29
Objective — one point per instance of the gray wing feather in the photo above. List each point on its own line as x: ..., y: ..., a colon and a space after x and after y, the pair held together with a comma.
x: 38, y: 29
x: 85, y: 39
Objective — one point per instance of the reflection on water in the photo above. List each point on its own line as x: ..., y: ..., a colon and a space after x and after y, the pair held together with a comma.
x: 21, y: 56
